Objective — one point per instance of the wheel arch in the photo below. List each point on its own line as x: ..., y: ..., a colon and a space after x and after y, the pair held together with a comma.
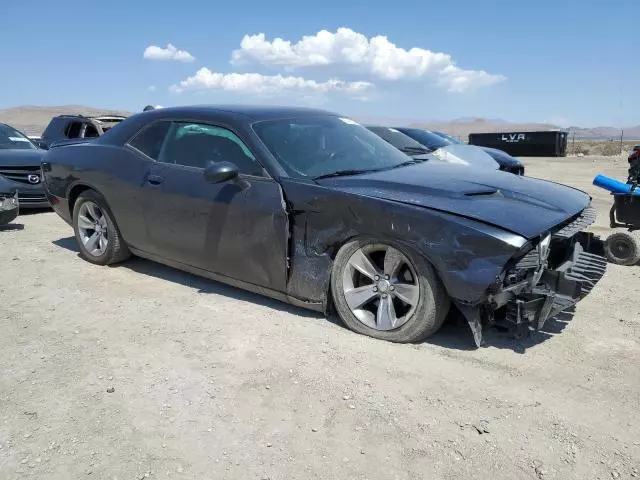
x: 426, y: 314
x: 77, y: 189
x: 74, y: 193
x: 333, y: 250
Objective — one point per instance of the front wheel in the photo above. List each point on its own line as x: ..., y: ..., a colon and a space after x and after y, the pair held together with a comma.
x: 384, y: 291
x: 96, y: 233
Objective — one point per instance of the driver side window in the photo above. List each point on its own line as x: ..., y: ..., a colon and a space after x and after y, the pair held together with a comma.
x: 197, y: 145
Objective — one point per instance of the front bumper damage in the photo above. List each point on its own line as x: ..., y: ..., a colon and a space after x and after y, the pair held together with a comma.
x: 9, y: 207
x: 547, y: 277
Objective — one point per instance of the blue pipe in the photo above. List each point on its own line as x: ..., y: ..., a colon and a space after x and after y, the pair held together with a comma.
x: 614, y: 186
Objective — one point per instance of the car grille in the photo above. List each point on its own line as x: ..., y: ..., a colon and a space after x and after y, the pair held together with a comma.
x: 585, y: 219
x: 26, y: 199
x: 532, y: 260
x: 21, y: 174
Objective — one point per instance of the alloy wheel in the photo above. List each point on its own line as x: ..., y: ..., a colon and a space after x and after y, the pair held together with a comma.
x: 93, y: 229
x: 381, y: 287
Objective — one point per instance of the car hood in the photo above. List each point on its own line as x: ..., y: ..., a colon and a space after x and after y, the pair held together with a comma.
x: 6, y: 187
x: 522, y: 205
x: 20, y: 158
x: 502, y: 157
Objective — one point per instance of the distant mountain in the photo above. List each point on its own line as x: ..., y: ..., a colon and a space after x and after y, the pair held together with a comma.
x: 461, y: 128
x: 475, y: 120
x: 33, y: 119
x: 601, y: 133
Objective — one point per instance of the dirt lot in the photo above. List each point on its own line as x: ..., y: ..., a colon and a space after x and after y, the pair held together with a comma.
x: 209, y: 382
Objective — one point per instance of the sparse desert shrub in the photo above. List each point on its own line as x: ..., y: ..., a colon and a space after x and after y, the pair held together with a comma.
x: 579, y: 148
x: 609, y: 148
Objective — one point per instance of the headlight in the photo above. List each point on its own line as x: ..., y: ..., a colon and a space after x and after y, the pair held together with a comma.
x: 8, y: 203
x: 543, y: 248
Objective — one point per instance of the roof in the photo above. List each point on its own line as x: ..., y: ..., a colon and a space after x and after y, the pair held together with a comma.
x: 108, y: 118
x: 254, y: 113
x: 99, y: 118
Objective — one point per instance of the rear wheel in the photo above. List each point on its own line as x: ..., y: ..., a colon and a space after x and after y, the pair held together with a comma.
x: 96, y: 233
x: 385, y: 291
x: 623, y: 248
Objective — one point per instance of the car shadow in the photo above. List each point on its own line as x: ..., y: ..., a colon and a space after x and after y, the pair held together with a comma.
x: 24, y: 212
x: 68, y: 243
x: 200, y: 284
x: 456, y: 334
x: 11, y: 227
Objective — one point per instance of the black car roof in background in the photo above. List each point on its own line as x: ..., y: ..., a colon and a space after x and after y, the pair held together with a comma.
x: 231, y: 114
x: 254, y: 113
x: 6, y: 125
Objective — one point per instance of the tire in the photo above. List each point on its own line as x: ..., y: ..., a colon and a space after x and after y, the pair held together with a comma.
x: 116, y: 250
x: 422, y: 320
x: 623, y: 248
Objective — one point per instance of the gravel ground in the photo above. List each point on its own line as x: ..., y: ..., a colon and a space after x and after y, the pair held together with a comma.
x: 140, y: 371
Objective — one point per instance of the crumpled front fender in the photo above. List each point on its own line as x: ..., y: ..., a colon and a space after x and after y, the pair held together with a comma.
x: 467, y: 255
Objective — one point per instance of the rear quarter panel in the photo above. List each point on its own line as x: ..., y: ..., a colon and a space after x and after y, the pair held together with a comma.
x: 117, y: 173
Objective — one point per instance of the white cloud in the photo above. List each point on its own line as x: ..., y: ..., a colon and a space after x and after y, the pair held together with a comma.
x: 153, y: 52
x: 457, y: 80
x: 256, y: 83
x: 151, y: 88
x: 375, y: 56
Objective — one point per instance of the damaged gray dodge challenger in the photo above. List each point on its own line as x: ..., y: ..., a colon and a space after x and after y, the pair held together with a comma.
x: 313, y: 209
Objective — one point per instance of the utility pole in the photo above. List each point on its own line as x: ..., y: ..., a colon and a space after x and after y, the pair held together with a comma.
x: 621, y: 137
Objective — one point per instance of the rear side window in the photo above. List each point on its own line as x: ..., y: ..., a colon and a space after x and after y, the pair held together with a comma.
x: 91, y: 131
x: 73, y: 130
x: 150, y: 138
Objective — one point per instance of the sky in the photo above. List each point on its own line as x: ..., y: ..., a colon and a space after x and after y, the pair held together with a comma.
x: 563, y: 61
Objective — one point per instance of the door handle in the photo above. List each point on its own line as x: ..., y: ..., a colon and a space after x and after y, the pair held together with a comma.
x: 155, y: 179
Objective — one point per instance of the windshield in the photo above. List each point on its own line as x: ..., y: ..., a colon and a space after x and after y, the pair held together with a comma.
x: 467, y: 155
x: 12, y: 139
x: 399, y: 140
x: 309, y: 147
x: 428, y: 139
x: 453, y: 140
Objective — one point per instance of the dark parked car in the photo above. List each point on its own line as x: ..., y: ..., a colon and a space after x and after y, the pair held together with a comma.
x: 8, y: 202
x: 463, y: 155
x: 20, y: 167
x: 70, y: 128
x: 435, y: 140
x: 314, y: 209
x: 402, y: 142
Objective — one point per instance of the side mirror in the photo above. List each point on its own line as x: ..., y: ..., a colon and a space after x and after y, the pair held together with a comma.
x: 42, y: 144
x: 220, y: 172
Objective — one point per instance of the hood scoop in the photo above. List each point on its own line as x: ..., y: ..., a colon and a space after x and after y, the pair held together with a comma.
x: 484, y: 193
